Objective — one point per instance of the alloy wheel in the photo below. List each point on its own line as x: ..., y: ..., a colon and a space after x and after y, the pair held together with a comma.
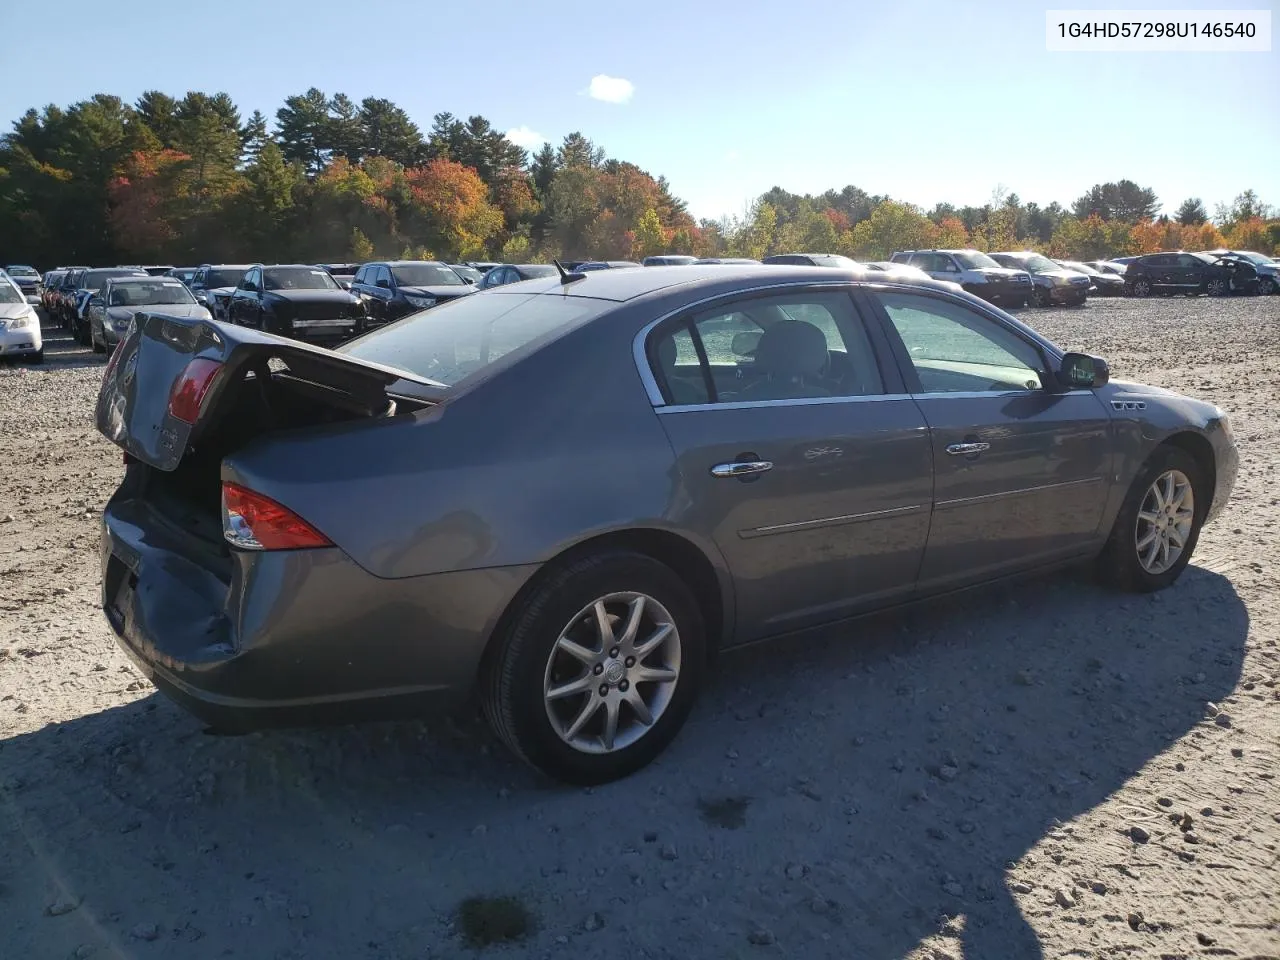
x: 1165, y: 520
x: 1141, y: 288
x: 612, y: 672
x: 1216, y: 287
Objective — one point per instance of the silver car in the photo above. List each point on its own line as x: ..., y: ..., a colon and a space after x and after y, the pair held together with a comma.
x: 564, y: 496
x: 111, y: 310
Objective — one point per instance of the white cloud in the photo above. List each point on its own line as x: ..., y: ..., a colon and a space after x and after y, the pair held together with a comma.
x: 522, y: 136
x: 610, y: 89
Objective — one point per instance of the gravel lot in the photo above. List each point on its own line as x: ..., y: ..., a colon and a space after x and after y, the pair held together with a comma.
x: 1049, y: 769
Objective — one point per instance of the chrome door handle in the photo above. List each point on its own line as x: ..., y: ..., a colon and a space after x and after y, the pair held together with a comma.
x: 958, y: 449
x: 741, y: 468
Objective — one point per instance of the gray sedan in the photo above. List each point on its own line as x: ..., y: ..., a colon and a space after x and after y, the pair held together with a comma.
x: 111, y: 310
x: 565, y: 496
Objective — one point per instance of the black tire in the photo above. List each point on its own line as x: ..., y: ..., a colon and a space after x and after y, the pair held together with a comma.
x: 1118, y: 565
x: 1042, y: 297
x: 1217, y: 287
x: 1140, y: 287
x: 93, y: 341
x: 511, y: 682
x: 38, y: 356
x: 1266, y: 287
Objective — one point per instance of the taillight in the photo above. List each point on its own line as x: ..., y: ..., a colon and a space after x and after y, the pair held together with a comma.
x: 254, y: 522
x: 189, y: 390
x: 113, y: 360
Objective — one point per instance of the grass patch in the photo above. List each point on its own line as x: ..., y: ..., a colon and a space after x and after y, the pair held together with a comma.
x: 485, y: 921
x: 727, y: 812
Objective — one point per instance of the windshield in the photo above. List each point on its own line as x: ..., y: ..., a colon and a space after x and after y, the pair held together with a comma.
x: 298, y: 278
x: 224, y: 278
x: 834, y: 261
x: 1038, y: 264
x: 425, y: 275
x: 531, y: 270
x: 469, y: 273
x: 973, y: 260
x: 10, y: 294
x: 1243, y: 254
x: 21, y: 271
x: 145, y: 294
x: 454, y: 340
x: 94, y: 279
x: 1077, y: 266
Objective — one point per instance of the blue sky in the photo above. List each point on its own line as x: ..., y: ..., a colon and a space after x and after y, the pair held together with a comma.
x: 922, y: 101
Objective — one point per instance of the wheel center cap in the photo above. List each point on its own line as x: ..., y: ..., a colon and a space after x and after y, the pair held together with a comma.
x: 614, y: 671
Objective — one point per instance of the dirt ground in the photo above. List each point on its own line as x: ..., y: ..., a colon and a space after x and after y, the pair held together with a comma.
x: 1041, y: 770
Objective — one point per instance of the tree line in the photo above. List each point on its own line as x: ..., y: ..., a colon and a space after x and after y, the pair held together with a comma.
x: 188, y: 180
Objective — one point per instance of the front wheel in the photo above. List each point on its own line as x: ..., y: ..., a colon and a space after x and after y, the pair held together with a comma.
x: 1140, y: 287
x: 1216, y: 287
x: 1266, y: 287
x: 99, y: 346
x: 1158, y: 525
x: 598, y: 669
x: 1042, y: 297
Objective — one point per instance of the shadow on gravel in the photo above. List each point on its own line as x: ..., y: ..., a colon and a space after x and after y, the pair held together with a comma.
x: 884, y: 778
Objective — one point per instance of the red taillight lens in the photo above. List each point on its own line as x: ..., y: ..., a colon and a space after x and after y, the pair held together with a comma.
x: 189, y: 390
x: 254, y: 522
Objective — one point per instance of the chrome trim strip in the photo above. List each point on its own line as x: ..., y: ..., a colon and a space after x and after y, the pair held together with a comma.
x: 1004, y: 494
x: 827, y: 521
x: 798, y: 402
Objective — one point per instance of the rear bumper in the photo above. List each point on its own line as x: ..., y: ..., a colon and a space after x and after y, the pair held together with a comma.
x: 245, y: 640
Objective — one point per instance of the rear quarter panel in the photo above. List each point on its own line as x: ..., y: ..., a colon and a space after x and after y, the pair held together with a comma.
x: 559, y: 447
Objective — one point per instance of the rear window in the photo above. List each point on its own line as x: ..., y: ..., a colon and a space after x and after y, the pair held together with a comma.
x: 454, y: 340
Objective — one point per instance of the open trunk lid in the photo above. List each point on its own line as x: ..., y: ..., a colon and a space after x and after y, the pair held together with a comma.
x: 134, y: 404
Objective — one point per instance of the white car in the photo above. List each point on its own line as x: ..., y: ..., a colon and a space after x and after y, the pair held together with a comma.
x: 903, y: 271
x: 19, y: 325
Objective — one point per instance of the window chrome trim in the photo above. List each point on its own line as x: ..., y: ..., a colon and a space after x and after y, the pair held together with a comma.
x: 794, y: 402
x: 641, y: 359
x: 751, y: 534
x: 1021, y: 491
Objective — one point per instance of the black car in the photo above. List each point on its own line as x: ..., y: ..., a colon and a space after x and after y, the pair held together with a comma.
x: 344, y: 273
x: 185, y: 274
x: 506, y: 273
x: 296, y: 300
x: 1102, y: 283
x: 601, y: 265
x: 393, y: 289
x: 812, y: 260
x: 1188, y: 273
x: 214, y: 283
x: 28, y: 280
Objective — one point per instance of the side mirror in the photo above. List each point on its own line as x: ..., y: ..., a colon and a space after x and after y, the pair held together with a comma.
x: 384, y: 283
x: 345, y: 284
x: 1081, y: 371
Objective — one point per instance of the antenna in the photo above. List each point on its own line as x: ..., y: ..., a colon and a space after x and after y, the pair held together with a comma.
x: 566, y: 277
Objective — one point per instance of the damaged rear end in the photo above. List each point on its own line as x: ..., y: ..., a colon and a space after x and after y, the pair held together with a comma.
x: 225, y: 597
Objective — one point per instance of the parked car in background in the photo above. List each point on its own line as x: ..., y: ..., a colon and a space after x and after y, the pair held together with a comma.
x: 468, y: 273
x: 296, y: 300
x: 433, y: 512
x: 214, y: 283
x: 1268, y: 277
x: 506, y: 273
x: 1101, y: 283
x: 28, y: 280
x: 668, y: 260
x: 1123, y: 260
x: 1187, y: 273
x: 1051, y: 284
x: 184, y: 274
x: 392, y: 289
x: 723, y: 261
x: 976, y: 272
x: 90, y: 282
x: 1107, y: 266
x: 20, y: 336
x: 344, y: 273
x: 157, y: 269
x: 484, y: 266
x: 601, y: 265
x: 811, y: 260
x: 110, y: 311
x: 50, y: 284
x: 64, y: 296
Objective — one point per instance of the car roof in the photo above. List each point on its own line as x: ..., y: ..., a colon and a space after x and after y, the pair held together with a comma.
x: 401, y: 263
x: 713, y: 279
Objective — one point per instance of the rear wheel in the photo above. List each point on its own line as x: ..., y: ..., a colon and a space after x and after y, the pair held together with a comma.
x: 1216, y: 287
x: 1140, y: 287
x: 1158, y: 525
x: 598, y: 669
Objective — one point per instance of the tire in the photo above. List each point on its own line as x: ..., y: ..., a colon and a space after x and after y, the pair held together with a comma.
x: 1266, y: 287
x: 527, y: 660
x: 38, y: 357
x: 1140, y: 287
x: 98, y: 347
x: 1042, y: 297
x: 1217, y: 287
x: 1120, y: 564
